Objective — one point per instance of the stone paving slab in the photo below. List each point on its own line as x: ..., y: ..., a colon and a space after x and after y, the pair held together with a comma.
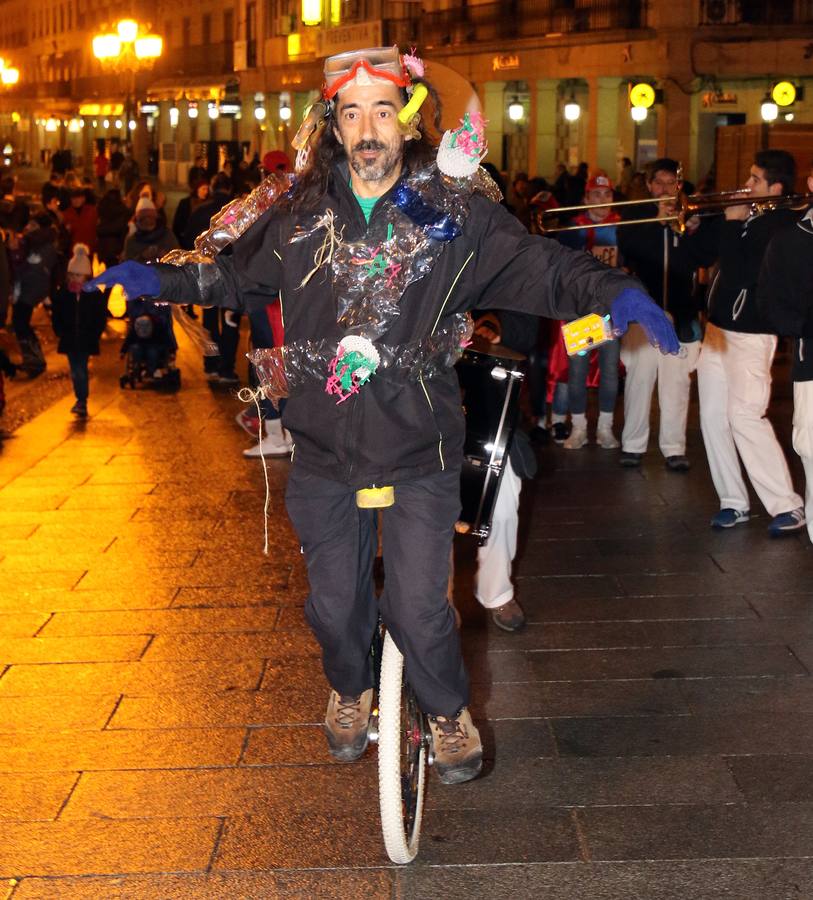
x: 553, y: 607
x: 96, y: 648
x: 759, y: 732
x: 121, y: 750
x: 143, y: 677
x: 606, y: 781
x: 55, y: 713
x: 642, y: 697
x: 164, y: 622
x: 99, y: 847
x: 196, y: 709
x: 21, y: 624
x: 290, y: 791
x: 699, y: 832
x: 29, y: 796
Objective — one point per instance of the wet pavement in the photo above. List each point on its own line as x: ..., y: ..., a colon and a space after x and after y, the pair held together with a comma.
x: 648, y: 735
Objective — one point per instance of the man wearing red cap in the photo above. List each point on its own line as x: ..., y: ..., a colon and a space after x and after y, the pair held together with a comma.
x: 379, y: 250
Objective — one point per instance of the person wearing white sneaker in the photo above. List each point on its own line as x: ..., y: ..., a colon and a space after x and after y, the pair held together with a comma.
x: 277, y: 441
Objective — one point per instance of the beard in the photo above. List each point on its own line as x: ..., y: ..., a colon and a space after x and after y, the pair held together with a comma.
x: 375, y: 169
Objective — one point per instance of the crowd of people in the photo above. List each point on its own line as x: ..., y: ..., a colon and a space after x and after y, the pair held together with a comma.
x: 76, y: 226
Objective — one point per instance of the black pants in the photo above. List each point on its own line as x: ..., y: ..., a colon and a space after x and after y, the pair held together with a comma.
x: 30, y: 348
x: 338, y: 541
x: 224, y: 327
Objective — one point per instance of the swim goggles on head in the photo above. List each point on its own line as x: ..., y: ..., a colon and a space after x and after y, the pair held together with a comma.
x: 378, y: 62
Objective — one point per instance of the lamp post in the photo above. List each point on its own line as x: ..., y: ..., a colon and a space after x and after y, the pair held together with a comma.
x: 126, y: 49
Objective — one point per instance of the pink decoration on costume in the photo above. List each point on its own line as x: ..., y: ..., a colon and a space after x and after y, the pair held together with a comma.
x: 392, y: 271
x: 414, y: 63
x: 333, y: 386
x: 478, y: 123
x: 468, y: 143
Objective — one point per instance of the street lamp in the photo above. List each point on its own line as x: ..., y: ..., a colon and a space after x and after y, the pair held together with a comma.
x: 126, y: 49
x: 572, y: 109
x: 769, y: 110
x: 638, y: 113
x: 516, y: 111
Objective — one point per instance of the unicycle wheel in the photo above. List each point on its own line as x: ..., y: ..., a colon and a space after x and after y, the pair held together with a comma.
x: 402, y: 749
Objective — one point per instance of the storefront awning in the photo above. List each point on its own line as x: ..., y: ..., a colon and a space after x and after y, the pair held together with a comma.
x: 200, y: 88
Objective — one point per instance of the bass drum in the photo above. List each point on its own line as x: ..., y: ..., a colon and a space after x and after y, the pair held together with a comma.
x: 490, y: 380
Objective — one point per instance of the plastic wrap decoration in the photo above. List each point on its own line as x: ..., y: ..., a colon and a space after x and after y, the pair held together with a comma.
x: 283, y: 370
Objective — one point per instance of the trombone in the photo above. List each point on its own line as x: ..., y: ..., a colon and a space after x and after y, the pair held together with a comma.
x: 700, y: 205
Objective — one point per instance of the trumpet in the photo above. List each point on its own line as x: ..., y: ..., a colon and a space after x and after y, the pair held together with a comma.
x: 686, y: 208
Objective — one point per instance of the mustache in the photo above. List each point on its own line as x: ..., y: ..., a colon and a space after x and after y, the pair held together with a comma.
x: 361, y: 146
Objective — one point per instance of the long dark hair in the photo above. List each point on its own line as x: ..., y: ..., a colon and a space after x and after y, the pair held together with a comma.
x: 312, y: 184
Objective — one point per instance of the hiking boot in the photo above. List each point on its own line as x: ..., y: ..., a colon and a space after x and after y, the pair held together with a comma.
x: 509, y: 616
x: 346, y: 723
x: 458, y: 751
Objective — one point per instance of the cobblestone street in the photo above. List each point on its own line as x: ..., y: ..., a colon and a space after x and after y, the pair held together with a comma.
x: 647, y: 736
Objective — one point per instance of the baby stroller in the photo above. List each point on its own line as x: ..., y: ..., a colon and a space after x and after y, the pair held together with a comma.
x: 149, y: 347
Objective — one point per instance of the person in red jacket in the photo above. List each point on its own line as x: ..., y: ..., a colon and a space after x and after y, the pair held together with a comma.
x: 81, y: 219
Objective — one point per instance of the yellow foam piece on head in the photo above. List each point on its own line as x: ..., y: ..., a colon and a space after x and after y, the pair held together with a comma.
x: 420, y: 94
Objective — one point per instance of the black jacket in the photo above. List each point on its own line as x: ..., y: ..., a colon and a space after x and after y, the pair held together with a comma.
x: 666, y: 262
x: 200, y: 216
x: 78, y: 321
x: 733, y: 293
x: 394, y: 428
x: 785, y: 292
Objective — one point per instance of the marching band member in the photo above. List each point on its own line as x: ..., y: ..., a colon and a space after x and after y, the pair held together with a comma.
x: 665, y: 261
x: 734, y: 371
x: 785, y: 300
x: 378, y: 250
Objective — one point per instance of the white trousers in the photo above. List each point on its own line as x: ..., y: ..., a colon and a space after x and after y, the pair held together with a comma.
x: 734, y: 383
x: 493, y: 585
x: 645, y: 365
x: 803, y: 440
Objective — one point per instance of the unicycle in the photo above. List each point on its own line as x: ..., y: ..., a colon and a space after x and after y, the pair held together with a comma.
x: 404, y: 751
x: 399, y: 727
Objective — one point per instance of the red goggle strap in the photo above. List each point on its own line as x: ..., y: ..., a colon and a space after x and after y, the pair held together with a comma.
x: 401, y: 80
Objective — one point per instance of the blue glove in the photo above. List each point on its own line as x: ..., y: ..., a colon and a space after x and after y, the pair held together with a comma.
x: 137, y: 279
x: 632, y: 305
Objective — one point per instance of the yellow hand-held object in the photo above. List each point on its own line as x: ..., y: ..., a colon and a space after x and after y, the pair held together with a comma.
x: 416, y: 101
x: 586, y: 333
x: 375, y: 497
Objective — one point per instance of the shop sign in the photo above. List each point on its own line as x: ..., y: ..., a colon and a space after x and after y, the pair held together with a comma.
x: 719, y: 98
x: 504, y: 61
x: 330, y: 41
